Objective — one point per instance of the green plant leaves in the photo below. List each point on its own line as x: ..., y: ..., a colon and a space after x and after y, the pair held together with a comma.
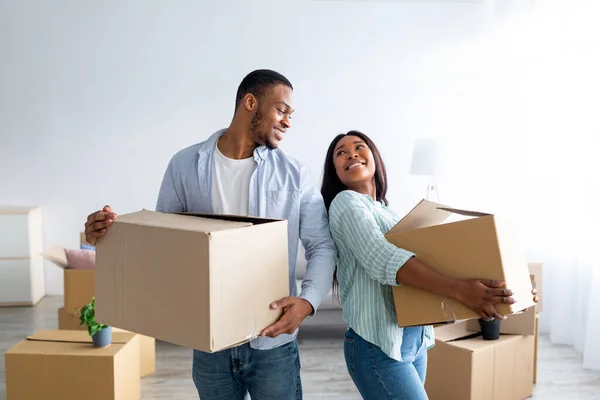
x: 87, y: 316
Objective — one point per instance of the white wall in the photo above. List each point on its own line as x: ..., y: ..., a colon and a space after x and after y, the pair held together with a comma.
x: 95, y: 98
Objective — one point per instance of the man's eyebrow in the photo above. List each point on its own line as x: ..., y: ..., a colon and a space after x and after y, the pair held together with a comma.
x: 286, y: 104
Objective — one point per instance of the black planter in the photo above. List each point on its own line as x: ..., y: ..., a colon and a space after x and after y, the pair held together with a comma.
x: 490, y: 330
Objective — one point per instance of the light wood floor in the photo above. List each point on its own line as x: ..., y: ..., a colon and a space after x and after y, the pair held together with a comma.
x: 560, y: 375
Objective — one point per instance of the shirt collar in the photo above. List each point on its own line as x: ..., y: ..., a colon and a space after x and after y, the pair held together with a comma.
x: 259, y: 153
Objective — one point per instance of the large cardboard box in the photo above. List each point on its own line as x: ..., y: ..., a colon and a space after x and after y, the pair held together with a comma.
x: 78, y: 283
x: 535, y: 270
x: 198, y: 281
x: 463, y: 366
x: 474, y: 246
x: 67, y: 321
x: 64, y: 365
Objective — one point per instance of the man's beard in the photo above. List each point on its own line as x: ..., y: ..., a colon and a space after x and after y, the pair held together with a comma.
x: 255, y: 124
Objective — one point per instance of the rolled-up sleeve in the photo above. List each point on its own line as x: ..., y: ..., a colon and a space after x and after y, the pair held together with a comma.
x: 354, y: 227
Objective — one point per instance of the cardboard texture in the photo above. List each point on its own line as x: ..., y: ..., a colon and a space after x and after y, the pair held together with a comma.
x: 67, y: 321
x: 78, y: 287
x: 463, y: 367
x: 152, y: 266
x: 78, y: 283
x: 535, y: 347
x: 64, y: 365
x: 522, y: 323
x: 535, y: 270
x: 515, y: 324
x: 480, y: 246
x: 147, y: 353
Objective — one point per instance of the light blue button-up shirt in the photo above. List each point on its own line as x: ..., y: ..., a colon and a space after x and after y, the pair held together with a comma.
x: 280, y: 187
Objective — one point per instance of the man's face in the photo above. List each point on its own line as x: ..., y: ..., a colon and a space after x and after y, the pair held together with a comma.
x: 272, y: 116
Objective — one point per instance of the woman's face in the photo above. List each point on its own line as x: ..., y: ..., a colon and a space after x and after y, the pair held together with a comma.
x: 353, y: 161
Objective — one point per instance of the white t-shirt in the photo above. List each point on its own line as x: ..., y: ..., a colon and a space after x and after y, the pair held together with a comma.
x: 231, y: 184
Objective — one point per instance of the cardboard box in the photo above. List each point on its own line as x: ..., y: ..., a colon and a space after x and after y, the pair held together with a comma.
x: 463, y: 366
x: 535, y: 346
x: 78, y: 283
x: 515, y: 324
x: 522, y: 323
x: 152, y: 268
x: 147, y: 353
x: 535, y: 271
x: 79, y: 288
x: 64, y: 365
x: 477, y: 246
x: 68, y: 321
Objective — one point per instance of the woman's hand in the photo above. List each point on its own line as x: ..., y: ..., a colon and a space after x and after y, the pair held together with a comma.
x: 482, y: 296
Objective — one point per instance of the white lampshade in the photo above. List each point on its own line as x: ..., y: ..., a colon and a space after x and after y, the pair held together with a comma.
x: 424, y: 159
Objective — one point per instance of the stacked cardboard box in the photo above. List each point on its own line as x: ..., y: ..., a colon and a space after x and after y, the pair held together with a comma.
x: 524, y: 323
x: 55, y: 364
x: 535, y: 269
x: 79, y: 288
x: 463, y: 366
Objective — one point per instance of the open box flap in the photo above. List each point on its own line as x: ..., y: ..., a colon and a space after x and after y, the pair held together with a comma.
x: 466, y: 213
x: 427, y: 213
x: 57, y: 256
x: 233, y: 218
x: 75, y: 336
x: 179, y: 221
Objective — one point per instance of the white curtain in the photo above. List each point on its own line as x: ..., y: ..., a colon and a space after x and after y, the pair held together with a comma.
x: 516, y: 112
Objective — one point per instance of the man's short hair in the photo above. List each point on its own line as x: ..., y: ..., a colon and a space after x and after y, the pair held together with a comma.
x: 258, y: 83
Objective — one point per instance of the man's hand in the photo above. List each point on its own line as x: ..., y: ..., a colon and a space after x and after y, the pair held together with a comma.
x: 295, y: 310
x: 97, y: 223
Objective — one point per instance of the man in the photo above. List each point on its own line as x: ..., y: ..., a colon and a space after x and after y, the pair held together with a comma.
x: 240, y: 170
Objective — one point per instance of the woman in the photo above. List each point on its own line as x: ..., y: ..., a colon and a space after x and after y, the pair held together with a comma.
x: 384, y: 360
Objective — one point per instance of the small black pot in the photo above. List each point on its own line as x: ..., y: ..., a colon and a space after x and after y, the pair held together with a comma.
x: 490, y: 330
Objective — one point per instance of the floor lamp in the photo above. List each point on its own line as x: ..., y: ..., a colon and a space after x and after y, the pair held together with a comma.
x: 424, y: 162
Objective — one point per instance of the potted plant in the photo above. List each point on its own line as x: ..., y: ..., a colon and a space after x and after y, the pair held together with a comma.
x: 101, y: 334
x: 490, y: 329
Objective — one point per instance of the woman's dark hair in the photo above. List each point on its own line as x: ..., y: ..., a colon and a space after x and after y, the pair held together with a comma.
x: 332, y: 185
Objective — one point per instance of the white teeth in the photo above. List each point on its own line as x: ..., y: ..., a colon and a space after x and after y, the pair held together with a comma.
x: 354, y: 165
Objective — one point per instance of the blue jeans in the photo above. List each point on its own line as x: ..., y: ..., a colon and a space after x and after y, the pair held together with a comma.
x: 378, y: 376
x: 234, y: 373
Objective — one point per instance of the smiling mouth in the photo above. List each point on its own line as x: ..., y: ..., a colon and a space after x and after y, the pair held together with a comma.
x: 354, y: 166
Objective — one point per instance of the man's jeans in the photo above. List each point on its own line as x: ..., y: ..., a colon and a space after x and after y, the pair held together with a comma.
x: 233, y: 373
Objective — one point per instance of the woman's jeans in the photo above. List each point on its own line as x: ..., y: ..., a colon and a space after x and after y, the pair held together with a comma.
x: 378, y: 376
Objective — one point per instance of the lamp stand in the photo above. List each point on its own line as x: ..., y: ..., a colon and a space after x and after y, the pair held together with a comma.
x: 432, y: 193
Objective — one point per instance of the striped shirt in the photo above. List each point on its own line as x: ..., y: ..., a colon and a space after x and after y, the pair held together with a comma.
x: 367, y: 267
